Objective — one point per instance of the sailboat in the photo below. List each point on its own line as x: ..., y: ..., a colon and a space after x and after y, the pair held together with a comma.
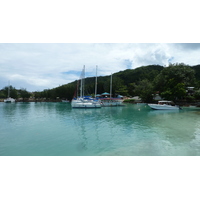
x: 108, y: 102
x: 9, y: 99
x: 82, y: 102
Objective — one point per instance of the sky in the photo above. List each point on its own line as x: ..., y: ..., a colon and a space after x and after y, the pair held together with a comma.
x: 44, y: 44
x: 39, y: 66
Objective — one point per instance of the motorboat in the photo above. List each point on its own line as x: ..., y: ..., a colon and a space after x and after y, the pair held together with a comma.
x: 164, y: 105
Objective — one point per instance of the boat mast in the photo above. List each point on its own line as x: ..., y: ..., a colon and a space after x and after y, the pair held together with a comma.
x: 83, y: 81
x: 8, y: 89
x: 95, y: 95
x: 81, y: 88
x: 77, y: 89
x: 111, y: 86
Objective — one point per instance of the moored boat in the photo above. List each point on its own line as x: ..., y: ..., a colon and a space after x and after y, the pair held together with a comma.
x: 164, y: 105
x: 110, y: 101
x: 82, y: 102
x: 85, y: 103
x: 9, y: 99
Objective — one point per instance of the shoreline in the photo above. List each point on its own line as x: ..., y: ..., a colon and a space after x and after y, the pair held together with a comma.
x: 179, y: 103
x: 29, y: 101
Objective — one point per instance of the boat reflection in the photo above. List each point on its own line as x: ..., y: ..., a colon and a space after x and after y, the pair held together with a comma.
x: 163, y: 112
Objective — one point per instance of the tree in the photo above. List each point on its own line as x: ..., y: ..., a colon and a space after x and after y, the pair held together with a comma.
x: 176, y: 92
x: 144, y: 89
x: 122, y: 90
x: 24, y: 93
x: 197, y: 95
x: 173, y: 80
x: 2, y: 94
x: 131, y: 89
x: 13, y: 92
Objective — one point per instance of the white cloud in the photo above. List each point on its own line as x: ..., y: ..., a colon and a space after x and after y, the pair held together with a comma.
x: 40, y: 66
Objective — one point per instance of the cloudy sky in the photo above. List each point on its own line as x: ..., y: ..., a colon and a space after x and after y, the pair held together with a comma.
x: 38, y: 66
x: 44, y: 44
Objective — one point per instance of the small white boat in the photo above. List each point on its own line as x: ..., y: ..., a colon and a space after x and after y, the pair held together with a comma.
x: 9, y: 99
x: 164, y: 105
x: 84, y: 103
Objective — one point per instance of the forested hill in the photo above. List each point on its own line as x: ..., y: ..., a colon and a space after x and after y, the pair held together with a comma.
x: 134, y: 75
x: 171, y: 82
x: 124, y: 82
x: 196, y: 68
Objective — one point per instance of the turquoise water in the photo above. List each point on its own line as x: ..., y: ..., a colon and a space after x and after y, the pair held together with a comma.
x: 55, y: 129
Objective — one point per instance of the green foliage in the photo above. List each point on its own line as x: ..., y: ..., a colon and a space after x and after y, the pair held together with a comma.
x: 179, y: 73
x: 145, y: 90
x: 13, y: 92
x: 197, y: 95
x: 23, y: 93
x: 190, y: 99
x: 2, y: 94
x: 131, y: 89
x: 122, y: 90
x: 196, y: 68
x: 135, y: 75
x: 129, y: 100
x: 171, y: 82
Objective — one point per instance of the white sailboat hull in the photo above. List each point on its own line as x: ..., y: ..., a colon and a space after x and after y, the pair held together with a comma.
x: 9, y: 100
x: 80, y: 103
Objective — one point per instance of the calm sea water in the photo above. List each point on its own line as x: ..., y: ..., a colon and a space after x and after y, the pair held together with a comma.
x: 55, y: 129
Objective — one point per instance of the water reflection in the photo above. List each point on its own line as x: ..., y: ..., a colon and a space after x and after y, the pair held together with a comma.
x: 128, y: 130
x: 9, y: 109
x: 87, y: 127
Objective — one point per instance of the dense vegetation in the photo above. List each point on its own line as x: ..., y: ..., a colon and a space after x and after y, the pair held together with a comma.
x: 169, y: 82
x: 14, y: 93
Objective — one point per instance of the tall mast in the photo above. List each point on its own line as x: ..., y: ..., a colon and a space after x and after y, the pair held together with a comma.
x: 77, y: 89
x: 111, y: 86
x: 81, y: 88
x: 95, y: 95
x: 83, y: 81
x: 8, y: 89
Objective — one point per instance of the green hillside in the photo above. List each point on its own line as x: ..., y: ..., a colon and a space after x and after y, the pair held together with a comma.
x: 142, y: 81
x: 171, y: 82
x: 122, y: 83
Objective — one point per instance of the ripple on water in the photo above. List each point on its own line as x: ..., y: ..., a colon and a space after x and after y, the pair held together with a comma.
x: 57, y: 129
